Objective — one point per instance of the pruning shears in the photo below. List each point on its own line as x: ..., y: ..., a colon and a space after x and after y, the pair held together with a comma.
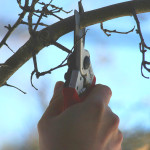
x: 79, y: 77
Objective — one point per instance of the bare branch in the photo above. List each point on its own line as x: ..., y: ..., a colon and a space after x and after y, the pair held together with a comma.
x: 31, y: 80
x: 14, y: 87
x: 53, y: 32
x: 57, y: 16
x: 19, y: 3
x: 45, y: 11
x: 44, y: 73
x: 38, y: 22
x: 41, y: 24
x: 35, y: 64
x: 42, y: 3
x: 142, y: 45
x: 49, y: 71
x: 115, y: 31
x: 41, y: 15
x: 8, y: 27
x: 60, y: 9
x: 11, y: 29
x: 30, y: 16
x: 61, y: 47
x: 9, y: 47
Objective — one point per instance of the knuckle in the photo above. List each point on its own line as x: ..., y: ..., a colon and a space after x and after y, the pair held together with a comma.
x: 116, y: 121
x: 97, y: 106
x: 107, y: 90
x: 41, y: 124
x: 120, y: 136
x: 104, y: 90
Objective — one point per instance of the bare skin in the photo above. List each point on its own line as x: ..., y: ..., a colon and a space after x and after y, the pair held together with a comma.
x: 90, y: 125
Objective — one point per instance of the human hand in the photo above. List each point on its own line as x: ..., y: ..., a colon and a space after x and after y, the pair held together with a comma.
x: 90, y: 125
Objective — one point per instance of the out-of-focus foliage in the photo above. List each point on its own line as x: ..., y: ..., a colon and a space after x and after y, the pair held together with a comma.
x: 136, y: 141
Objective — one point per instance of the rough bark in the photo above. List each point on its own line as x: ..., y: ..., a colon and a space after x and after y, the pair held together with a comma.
x: 51, y: 33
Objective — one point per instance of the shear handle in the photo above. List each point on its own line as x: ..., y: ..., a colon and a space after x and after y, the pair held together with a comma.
x: 71, y: 96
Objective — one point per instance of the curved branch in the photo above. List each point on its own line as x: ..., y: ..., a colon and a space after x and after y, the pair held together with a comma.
x: 51, y: 33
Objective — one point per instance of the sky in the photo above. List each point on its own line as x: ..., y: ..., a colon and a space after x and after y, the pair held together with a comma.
x: 115, y: 60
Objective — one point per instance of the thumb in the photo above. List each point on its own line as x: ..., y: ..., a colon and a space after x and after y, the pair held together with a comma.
x: 57, y: 103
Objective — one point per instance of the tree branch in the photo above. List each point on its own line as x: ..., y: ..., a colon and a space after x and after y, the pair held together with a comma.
x: 51, y: 33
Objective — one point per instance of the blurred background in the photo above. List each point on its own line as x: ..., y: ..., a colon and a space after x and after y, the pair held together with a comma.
x: 116, y: 62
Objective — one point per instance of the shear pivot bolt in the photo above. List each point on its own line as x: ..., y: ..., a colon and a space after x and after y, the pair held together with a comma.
x: 86, y: 62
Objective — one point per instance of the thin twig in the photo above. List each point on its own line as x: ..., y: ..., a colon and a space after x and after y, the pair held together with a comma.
x: 42, y: 3
x: 9, y: 47
x: 14, y: 87
x: 48, y: 12
x: 42, y: 14
x: 44, y: 73
x: 30, y: 16
x: 19, y: 3
x: 8, y: 27
x: 31, y: 79
x: 21, y: 16
x: 115, y: 31
x: 142, y: 45
x: 60, y: 9
x: 40, y: 17
x: 41, y: 24
x: 61, y: 47
x: 35, y: 64
x: 57, y: 16
x: 49, y: 71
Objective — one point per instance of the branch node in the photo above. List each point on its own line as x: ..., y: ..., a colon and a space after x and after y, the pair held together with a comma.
x: 8, y: 27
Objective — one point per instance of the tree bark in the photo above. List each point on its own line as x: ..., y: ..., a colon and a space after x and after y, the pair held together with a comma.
x: 52, y: 33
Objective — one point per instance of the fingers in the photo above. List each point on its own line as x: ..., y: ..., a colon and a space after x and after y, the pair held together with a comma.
x: 109, y: 123
x: 56, y: 104
x: 100, y: 93
x: 97, y: 100
x: 119, y: 137
x: 115, y: 141
x: 112, y: 118
x: 110, y: 136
